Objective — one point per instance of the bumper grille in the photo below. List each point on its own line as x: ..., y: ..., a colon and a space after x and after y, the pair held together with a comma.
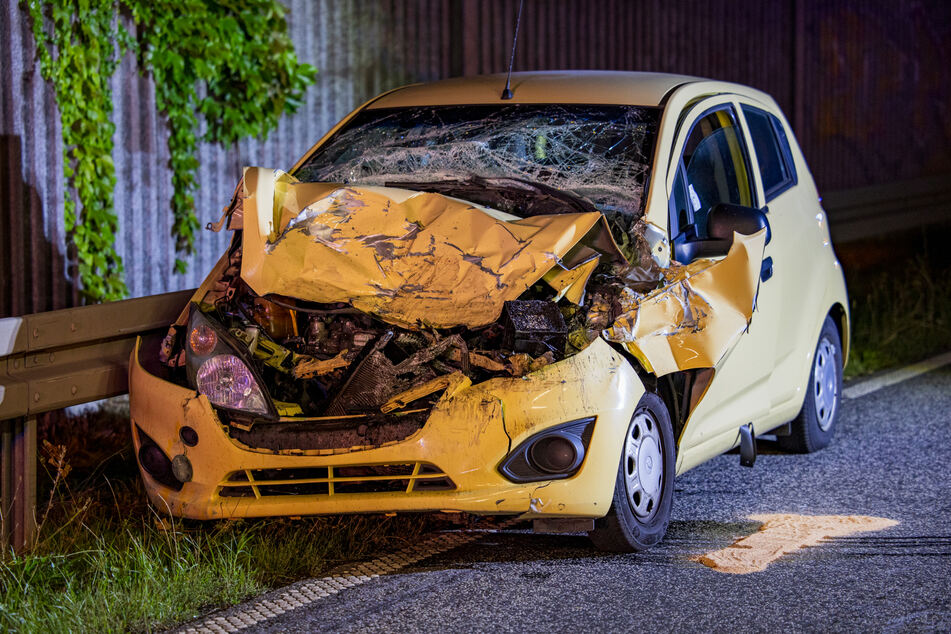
x: 329, y: 433
x: 405, y: 477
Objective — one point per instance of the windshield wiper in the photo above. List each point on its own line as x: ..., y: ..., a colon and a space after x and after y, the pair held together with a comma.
x: 511, y: 195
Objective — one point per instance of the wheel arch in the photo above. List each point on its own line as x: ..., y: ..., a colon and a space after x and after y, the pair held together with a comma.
x: 680, y: 391
x: 840, y: 316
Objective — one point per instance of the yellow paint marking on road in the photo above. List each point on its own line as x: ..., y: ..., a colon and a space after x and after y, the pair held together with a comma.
x: 782, y: 534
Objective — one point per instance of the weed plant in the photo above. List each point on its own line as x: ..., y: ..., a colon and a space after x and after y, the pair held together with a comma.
x: 899, y: 315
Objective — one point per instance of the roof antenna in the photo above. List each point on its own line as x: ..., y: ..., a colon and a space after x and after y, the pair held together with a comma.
x: 507, y: 93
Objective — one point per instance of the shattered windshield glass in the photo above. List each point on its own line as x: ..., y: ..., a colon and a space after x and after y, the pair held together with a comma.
x: 596, y: 153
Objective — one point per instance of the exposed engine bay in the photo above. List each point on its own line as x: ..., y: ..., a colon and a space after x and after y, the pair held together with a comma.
x: 356, y: 380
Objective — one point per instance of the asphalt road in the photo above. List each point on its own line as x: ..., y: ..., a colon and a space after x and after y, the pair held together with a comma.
x: 889, y: 459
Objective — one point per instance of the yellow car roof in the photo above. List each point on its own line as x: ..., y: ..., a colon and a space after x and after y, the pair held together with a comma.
x: 601, y: 87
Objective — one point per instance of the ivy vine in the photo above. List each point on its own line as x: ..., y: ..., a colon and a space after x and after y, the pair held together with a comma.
x: 227, y: 62
x: 79, y: 56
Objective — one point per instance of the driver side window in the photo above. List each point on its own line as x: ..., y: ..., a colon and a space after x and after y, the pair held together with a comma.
x: 713, y: 169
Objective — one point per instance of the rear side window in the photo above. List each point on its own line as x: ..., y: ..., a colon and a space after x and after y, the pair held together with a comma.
x: 772, y: 151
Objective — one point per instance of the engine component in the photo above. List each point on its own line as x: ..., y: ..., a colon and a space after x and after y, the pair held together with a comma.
x: 534, y: 327
x: 449, y: 382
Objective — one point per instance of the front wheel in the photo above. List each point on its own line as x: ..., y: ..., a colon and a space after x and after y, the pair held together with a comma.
x: 813, y: 428
x: 644, y: 489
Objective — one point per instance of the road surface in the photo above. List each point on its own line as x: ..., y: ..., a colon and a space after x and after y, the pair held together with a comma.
x: 890, y: 459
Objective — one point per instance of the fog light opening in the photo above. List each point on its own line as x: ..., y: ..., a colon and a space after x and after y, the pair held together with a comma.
x: 552, y: 454
x: 155, y: 462
x: 188, y: 435
x: 556, y: 453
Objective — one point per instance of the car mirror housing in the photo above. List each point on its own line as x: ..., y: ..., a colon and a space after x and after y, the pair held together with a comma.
x: 723, y: 221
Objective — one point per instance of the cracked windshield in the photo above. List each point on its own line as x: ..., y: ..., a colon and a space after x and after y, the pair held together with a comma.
x: 522, y: 159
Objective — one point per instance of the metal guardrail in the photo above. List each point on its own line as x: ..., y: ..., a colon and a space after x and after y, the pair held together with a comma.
x: 74, y: 356
x: 856, y: 214
x: 58, y: 359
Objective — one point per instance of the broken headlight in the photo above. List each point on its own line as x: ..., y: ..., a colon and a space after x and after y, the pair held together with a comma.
x: 216, y: 370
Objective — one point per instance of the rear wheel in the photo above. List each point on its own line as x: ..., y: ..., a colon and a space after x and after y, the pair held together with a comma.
x: 813, y: 428
x: 644, y: 488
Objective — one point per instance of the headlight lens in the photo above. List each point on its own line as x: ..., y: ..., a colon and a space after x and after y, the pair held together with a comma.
x: 227, y: 382
x: 216, y: 369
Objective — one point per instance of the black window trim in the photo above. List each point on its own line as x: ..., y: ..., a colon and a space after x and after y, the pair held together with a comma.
x: 673, y: 214
x: 730, y: 105
x: 782, y: 141
x: 747, y: 158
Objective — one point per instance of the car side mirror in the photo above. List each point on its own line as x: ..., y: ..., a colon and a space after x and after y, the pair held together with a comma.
x: 723, y: 220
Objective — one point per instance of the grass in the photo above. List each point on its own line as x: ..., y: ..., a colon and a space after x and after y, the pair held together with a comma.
x: 105, y: 561
x: 900, y: 315
x: 125, y: 576
x: 118, y: 574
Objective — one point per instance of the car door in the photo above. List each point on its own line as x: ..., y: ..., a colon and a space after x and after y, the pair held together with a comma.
x: 790, y: 282
x: 712, y: 165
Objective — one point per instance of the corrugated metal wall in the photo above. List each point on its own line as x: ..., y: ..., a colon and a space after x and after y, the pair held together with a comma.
x: 877, y: 91
x: 866, y: 85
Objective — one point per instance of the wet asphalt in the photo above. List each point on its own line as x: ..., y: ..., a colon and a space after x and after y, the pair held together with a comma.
x: 890, y: 458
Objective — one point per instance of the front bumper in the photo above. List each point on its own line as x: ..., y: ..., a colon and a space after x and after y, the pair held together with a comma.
x: 466, y: 437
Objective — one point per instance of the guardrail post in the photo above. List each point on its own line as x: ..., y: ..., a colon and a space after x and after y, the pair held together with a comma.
x: 6, y: 484
x: 18, y: 476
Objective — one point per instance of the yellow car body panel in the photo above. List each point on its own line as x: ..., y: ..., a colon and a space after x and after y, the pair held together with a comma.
x: 466, y: 436
x: 693, y: 321
x: 764, y: 379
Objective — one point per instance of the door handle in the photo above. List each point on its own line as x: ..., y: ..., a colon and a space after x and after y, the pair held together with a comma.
x: 766, y: 270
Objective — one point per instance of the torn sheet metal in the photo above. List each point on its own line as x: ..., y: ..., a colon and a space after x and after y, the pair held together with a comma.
x: 309, y: 368
x: 428, y: 260
x: 451, y: 383
x: 696, y: 318
x: 570, y: 283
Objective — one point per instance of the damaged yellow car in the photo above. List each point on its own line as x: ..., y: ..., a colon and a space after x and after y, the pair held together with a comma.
x: 545, y: 306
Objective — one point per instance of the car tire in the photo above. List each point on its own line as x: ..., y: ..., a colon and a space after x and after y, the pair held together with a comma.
x: 640, y: 508
x: 815, y: 425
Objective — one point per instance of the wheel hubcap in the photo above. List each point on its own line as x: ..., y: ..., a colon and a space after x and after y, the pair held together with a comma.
x: 644, y: 464
x: 825, y: 386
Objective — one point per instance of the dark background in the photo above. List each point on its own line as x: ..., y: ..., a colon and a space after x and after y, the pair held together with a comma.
x: 865, y: 85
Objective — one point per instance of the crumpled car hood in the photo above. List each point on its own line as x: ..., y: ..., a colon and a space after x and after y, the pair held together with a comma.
x: 412, y: 259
